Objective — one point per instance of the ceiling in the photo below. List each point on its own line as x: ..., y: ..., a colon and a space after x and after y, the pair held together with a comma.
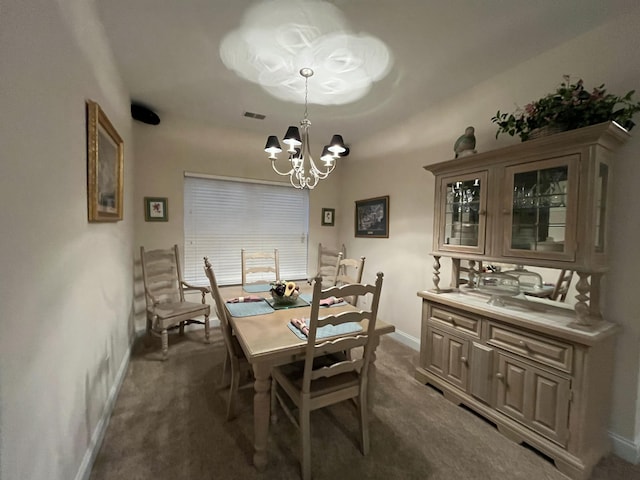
x: 168, y: 55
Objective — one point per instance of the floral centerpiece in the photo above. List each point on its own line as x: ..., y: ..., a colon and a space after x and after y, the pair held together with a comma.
x: 570, y: 106
x: 284, y: 292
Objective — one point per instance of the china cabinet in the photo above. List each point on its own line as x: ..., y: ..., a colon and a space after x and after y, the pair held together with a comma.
x: 539, y: 370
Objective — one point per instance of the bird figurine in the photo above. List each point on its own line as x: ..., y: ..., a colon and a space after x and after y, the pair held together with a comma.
x: 465, y: 144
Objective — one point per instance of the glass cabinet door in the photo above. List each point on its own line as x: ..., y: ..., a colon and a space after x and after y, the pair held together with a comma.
x: 541, y: 209
x: 463, y: 212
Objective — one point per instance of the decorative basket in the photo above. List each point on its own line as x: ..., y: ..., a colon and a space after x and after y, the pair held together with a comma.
x: 545, y: 131
x: 284, y: 300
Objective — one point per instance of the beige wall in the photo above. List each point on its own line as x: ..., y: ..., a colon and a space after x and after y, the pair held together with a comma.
x: 67, y: 289
x: 65, y: 301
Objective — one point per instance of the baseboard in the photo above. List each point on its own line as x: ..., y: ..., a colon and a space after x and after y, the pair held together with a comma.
x: 408, y: 340
x: 625, y: 448
x: 86, y: 465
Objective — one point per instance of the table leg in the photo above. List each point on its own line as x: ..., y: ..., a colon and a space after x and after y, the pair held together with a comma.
x: 261, y: 411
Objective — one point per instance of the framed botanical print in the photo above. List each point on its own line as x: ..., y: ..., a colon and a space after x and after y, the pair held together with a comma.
x: 328, y: 217
x: 105, y: 163
x: 372, y: 217
x: 156, y: 209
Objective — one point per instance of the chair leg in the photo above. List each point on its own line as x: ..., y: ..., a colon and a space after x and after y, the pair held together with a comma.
x: 226, y: 376
x: 233, y: 390
x: 363, y: 413
x: 165, y: 344
x: 274, y: 400
x: 206, y: 329
x: 182, y: 328
x: 305, y: 441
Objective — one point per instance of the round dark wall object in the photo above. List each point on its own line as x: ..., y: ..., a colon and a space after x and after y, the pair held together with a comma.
x: 144, y: 114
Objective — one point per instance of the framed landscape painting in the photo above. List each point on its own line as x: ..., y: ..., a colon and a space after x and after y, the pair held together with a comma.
x: 372, y: 217
x: 105, y: 163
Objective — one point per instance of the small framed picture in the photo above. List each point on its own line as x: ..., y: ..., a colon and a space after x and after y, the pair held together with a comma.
x: 328, y: 217
x: 156, y: 209
x: 372, y: 217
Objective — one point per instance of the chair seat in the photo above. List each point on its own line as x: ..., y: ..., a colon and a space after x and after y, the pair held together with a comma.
x: 176, y: 309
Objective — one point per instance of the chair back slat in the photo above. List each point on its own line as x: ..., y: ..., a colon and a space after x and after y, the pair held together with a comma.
x: 161, y: 275
x: 219, y: 301
x: 255, y: 264
x: 343, y: 342
x: 349, y: 271
x: 328, y: 258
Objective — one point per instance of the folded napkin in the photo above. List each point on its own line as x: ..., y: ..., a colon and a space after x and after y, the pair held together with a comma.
x: 250, y: 298
x: 327, y: 302
x: 300, y: 324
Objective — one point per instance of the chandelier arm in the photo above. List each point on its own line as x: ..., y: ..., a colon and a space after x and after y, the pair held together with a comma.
x: 273, y: 165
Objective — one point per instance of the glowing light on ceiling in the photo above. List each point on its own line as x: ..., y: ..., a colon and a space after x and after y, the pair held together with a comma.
x: 278, y: 38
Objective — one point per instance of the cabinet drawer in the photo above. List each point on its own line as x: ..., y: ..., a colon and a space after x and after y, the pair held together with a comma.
x: 544, y: 350
x: 461, y: 323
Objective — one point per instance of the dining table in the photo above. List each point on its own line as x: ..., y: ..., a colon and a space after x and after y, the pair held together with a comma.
x: 267, y: 341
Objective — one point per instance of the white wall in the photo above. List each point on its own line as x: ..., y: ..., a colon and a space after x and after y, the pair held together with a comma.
x: 65, y: 301
x: 606, y: 55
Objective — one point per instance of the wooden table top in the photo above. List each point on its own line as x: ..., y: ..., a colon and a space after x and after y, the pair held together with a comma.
x: 267, y: 337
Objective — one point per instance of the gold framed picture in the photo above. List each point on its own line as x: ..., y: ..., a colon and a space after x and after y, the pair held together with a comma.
x: 156, y: 209
x: 105, y: 164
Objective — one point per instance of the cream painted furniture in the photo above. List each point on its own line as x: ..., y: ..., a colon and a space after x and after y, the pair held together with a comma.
x: 328, y: 258
x: 325, y: 376
x: 256, y: 264
x: 235, y: 356
x: 349, y: 270
x: 164, y: 295
x: 540, y: 370
x: 267, y: 342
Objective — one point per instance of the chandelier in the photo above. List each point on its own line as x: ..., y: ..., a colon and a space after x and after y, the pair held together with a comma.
x: 304, y: 173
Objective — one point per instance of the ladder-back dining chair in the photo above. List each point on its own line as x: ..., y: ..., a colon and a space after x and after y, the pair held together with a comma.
x: 235, y: 358
x: 561, y: 288
x: 350, y: 270
x: 259, y: 269
x: 165, y: 295
x: 326, y: 376
x: 328, y: 258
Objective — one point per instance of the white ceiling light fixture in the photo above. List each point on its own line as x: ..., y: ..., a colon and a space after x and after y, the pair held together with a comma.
x: 303, y: 172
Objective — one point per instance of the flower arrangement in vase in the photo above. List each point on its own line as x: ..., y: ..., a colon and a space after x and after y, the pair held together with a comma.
x: 571, y: 106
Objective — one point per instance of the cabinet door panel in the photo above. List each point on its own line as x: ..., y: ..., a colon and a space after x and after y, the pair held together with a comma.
x: 541, y: 209
x: 482, y: 373
x: 463, y: 207
x: 535, y: 397
x: 447, y: 356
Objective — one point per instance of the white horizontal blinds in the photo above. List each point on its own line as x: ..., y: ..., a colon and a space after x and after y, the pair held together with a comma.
x: 223, y: 216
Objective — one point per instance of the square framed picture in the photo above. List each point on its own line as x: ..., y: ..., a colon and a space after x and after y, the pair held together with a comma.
x: 156, y: 209
x: 328, y: 217
x: 372, y: 217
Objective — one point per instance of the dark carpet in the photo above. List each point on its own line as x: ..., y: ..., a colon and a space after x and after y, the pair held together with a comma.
x: 169, y: 423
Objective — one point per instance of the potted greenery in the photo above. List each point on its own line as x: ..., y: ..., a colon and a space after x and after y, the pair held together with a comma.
x: 569, y: 107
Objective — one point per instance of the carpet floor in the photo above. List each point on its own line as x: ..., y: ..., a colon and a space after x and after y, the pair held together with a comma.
x: 169, y: 423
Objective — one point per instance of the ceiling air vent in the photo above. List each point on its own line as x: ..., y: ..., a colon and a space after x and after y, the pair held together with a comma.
x: 257, y: 116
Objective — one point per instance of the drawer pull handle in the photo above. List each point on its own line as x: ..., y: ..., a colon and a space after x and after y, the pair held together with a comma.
x: 523, y: 344
x: 450, y: 319
x: 463, y: 360
x: 499, y: 376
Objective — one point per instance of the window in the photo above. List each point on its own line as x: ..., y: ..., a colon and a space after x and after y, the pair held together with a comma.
x: 223, y: 215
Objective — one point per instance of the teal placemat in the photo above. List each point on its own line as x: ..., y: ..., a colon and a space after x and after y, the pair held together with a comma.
x: 300, y: 302
x: 257, y: 287
x: 248, y: 309
x: 329, y: 330
x: 309, y: 297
